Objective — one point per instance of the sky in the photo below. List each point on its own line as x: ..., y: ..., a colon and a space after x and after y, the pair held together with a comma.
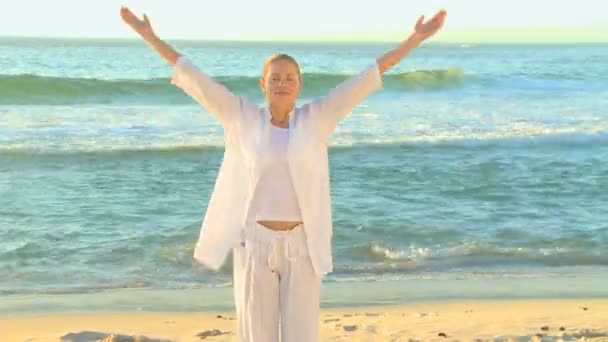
x: 312, y: 20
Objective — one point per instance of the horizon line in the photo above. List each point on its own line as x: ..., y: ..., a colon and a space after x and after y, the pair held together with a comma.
x: 300, y: 40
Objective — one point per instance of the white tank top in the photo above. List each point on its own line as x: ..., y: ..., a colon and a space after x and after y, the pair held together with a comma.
x: 275, y: 196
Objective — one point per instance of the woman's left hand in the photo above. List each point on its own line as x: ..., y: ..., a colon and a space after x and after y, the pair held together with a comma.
x: 424, y: 30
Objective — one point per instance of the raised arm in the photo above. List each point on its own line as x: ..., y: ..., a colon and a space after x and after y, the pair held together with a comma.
x: 422, y: 31
x: 329, y: 110
x: 213, y: 96
x: 143, y: 27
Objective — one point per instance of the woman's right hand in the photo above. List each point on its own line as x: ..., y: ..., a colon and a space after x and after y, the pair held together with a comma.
x: 142, y: 27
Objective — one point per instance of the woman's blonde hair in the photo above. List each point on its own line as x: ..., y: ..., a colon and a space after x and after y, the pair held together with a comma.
x: 280, y: 57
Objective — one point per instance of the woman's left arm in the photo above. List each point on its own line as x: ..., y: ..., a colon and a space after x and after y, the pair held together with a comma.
x: 422, y: 31
x: 329, y: 110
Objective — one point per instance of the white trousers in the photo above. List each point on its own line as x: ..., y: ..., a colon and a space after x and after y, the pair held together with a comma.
x: 276, y: 289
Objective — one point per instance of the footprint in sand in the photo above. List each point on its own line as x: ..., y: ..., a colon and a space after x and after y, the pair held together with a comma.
x: 350, y: 328
x: 209, y: 333
x: 582, y: 335
x: 423, y: 314
x: 331, y: 320
x: 106, y: 337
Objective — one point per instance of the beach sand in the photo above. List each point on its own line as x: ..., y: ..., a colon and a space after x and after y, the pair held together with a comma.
x: 506, y: 320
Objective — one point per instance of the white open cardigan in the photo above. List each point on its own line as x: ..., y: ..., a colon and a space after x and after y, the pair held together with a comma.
x: 246, y: 128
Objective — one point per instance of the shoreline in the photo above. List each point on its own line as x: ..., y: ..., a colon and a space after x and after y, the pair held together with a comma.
x: 491, y: 320
x: 455, y: 308
x: 348, y: 294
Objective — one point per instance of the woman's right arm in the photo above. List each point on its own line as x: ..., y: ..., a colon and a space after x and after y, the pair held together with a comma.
x: 217, y: 99
x: 144, y: 29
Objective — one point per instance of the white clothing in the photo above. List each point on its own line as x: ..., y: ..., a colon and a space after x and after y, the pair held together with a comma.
x: 275, y: 197
x: 246, y: 133
x: 277, y: 291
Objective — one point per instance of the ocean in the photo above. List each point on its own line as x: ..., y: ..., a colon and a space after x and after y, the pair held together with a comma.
x: 481, y: 162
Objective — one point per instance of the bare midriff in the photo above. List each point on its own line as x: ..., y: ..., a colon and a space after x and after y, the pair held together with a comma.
x: 279, y: 225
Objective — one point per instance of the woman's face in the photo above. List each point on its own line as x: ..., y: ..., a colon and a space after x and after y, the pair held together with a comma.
x: 281, y: 84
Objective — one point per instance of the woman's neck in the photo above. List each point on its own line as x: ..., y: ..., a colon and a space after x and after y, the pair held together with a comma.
x: 280, y: 115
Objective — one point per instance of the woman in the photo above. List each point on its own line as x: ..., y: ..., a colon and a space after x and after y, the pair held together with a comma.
x: 271, y: 202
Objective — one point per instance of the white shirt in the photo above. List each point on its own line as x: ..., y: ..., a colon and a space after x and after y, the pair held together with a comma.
x: 275, y: 197
x: 246, y: 132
